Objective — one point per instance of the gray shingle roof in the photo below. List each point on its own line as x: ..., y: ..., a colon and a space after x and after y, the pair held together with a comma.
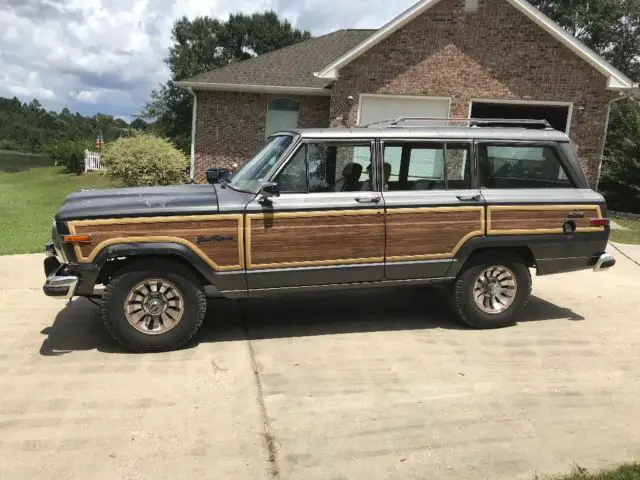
x: 291, y: 66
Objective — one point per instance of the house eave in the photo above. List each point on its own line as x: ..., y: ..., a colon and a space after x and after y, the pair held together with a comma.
x: 273, y: 89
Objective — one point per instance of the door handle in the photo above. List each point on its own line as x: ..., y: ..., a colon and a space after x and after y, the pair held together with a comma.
x: 469, y: 198
x: 367, y: 199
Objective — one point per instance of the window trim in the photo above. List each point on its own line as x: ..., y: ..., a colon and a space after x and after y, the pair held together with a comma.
x: 303, y: 142
x: 473, y: 169
x: 568, y: 169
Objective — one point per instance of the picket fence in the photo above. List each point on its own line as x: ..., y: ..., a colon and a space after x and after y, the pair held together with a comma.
x: 91, y: 161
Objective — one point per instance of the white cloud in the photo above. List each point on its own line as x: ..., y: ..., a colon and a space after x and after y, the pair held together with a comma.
x: 107, y: 55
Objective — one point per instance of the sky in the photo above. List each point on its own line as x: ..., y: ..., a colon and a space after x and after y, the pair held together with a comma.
x: 107, y: 55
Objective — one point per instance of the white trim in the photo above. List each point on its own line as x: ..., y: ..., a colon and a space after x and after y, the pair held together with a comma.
x: 402, y: 97
x: 507, y: 101
x: 233, y: 87
x: 615, y: 79
x: 194, y: 116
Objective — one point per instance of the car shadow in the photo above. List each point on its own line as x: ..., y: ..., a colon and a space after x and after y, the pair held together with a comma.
x: 79, y: 326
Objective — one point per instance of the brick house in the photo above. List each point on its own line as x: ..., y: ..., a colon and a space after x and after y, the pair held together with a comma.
x: 440, y: 58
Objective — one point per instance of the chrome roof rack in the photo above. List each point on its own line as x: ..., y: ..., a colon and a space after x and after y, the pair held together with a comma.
x: 464, y: 122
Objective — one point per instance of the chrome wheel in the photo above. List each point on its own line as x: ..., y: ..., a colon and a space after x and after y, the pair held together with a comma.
x: 154, y: 306
x: 495, y: 289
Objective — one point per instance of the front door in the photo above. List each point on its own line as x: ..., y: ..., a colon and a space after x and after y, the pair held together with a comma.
x: 432, y: 206
x: 326, y: 227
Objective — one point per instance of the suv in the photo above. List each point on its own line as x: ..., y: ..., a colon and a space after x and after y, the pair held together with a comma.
x: 472, y: 206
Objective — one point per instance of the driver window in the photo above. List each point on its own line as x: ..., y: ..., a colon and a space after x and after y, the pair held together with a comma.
x: 327, y: 167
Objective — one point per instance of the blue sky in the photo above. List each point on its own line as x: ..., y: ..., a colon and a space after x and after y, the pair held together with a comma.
x: 107, y: 55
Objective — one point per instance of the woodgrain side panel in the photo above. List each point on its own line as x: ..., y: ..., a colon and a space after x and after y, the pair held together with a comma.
x: 423, y: 233
x: 315, y: 238
x: 518, y: 219
x: 221, y: 244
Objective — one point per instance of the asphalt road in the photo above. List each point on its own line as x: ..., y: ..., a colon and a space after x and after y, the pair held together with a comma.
x: 359, y: 385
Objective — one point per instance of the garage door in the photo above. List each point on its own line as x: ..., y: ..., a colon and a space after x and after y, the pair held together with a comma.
x: 387, y: 107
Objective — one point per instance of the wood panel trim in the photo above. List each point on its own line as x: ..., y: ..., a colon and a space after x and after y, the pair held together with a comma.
x: 540, y: 208
x: 458, y: 246
x: 313, y: 263
x: 160, y: 239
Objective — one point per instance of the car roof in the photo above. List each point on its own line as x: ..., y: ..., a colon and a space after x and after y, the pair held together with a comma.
x: 436, y: 132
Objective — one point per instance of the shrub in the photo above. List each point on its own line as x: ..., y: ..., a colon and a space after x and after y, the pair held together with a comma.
x: 68, y: 154
x: 145, y: 160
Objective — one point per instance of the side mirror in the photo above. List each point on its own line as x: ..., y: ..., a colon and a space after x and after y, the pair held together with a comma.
x: 270, y: 189
x: 214, y: 175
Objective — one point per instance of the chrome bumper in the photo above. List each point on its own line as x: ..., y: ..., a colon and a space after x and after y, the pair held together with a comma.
x: 605, y: 261
x: 59, y: 283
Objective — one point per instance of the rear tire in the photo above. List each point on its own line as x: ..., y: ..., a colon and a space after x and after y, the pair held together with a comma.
x: 153, y: 306
x: 492, y: 290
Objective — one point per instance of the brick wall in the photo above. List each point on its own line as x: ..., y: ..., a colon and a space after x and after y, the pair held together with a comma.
x: 231, y: 125
x: 494, y: 53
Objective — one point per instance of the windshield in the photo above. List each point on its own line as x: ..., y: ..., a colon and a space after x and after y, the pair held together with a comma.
x: 251, y: 175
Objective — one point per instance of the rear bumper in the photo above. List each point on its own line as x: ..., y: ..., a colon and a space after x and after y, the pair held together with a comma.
x: 604, y: 262
x: 60, y: 282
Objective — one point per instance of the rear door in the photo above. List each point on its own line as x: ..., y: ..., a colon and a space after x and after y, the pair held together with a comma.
x: 536, y: 198
x: 432, y: 205
x: 327, y: 225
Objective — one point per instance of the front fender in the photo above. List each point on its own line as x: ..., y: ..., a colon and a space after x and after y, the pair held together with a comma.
x: 222, y: 281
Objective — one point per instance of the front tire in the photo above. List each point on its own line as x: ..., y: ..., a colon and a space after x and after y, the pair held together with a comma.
x: 153, y: 306
x: 492, y: 290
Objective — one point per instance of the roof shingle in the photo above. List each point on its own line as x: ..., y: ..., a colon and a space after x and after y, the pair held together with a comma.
x: 292, y: 66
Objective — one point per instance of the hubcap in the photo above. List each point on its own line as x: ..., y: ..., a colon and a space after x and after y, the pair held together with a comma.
x: 495, y: 289
x: 154, y: 306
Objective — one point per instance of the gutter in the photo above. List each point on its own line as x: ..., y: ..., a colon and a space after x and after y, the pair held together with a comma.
x: 235, y: 87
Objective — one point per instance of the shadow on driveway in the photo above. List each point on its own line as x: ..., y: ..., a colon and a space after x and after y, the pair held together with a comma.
x: 79, y: 326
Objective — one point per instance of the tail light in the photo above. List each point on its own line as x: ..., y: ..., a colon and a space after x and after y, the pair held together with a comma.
x: 599, y: 222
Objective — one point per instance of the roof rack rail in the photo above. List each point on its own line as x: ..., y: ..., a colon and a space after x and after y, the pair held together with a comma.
x: 466, y: 122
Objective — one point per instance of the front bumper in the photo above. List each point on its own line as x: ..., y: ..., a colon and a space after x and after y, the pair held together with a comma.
x: 60, y: 282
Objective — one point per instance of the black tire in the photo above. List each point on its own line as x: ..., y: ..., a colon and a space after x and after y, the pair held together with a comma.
x: 463, y: 299
x: 122, y: 283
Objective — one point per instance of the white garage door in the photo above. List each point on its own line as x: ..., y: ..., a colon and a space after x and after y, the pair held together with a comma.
x: 387, y: 107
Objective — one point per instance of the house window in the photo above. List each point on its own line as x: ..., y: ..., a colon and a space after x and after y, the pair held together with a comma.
x: 282, y: 114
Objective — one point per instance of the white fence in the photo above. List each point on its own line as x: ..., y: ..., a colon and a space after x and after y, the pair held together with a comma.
x: 91, y: 161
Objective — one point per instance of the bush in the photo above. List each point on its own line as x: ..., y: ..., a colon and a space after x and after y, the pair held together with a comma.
x: 68, y: 154
x: 145, y: 160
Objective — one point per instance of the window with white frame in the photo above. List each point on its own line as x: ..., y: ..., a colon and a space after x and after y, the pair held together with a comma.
x: 282, y: 114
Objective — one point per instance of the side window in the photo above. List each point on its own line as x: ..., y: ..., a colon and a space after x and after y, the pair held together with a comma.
x: 327, y: 167
x: 521, y: 166
x: 428, y: 166
x: 282, y: 114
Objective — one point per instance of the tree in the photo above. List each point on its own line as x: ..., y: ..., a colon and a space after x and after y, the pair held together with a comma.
x: 204, y: 44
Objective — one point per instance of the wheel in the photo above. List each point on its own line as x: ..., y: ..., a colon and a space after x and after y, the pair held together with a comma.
x: 491, y: 290
x: 153, y: 306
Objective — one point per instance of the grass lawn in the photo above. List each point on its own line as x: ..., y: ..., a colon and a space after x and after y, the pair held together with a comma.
x: 625, y: 472
x: 627, y: 236
x: 29, y: 200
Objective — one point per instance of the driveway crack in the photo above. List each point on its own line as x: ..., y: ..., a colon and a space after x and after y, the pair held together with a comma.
x: 624, y: 254
x: 269, y: 439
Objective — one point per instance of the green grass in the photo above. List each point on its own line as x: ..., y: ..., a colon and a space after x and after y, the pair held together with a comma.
x: 29, y: 200
x: 626, y: 236
x: 625, y: 472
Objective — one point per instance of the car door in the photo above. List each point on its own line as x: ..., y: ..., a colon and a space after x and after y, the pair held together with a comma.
x: 432, y: 205
x: 326, y: 226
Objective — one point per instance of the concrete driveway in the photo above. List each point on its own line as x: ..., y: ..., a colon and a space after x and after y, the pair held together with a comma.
x: 360, y: 385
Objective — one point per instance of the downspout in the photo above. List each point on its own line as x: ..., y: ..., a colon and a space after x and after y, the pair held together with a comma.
x: 194, y: 116
x: 606, y: 130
